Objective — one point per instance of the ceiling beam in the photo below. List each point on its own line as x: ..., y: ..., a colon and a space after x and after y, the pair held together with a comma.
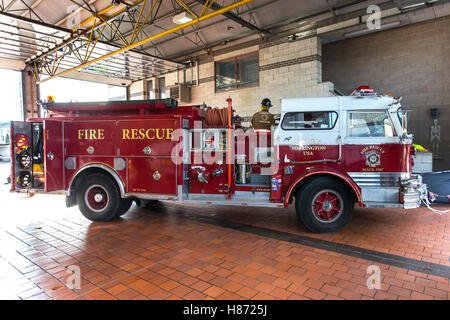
x: 211, y: 25
x: 157, y: 36
x: 236, y: 18
x: 10, y: 5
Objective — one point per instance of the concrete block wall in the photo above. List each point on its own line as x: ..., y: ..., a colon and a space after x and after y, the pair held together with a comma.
x: 138, y: 90
x: 287, y: 69
x: 411, y: 61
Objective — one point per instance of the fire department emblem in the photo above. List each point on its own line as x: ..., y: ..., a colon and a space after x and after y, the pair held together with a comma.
x: 373, y: 158
x: 156, y: 175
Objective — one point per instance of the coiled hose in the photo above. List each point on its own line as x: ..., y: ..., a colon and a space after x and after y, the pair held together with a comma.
x: 217, y: 116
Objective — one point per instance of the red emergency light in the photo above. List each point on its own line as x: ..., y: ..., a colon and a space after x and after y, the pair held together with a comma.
x: 364, y: 89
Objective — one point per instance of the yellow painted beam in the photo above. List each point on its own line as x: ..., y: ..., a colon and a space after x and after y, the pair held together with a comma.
x: 152, y: 38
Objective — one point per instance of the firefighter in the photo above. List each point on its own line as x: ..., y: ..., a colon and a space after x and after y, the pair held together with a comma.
x: 263, y: 119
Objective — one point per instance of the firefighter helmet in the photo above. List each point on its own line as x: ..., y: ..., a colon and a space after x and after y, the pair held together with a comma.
x: 266, y: 103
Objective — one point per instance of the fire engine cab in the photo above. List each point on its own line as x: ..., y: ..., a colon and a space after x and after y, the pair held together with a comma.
x: 325, y: 155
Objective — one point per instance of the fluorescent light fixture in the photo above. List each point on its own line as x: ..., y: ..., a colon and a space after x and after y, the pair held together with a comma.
x: 365, y: 31
x: 412, y: 6
x: 183, y: 17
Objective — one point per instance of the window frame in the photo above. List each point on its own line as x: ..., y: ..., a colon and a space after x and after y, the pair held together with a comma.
x: 235, y: 59
x: 160, y: 91
x: 150, y: 89
x: 394, y: 130
x: 310, y: 129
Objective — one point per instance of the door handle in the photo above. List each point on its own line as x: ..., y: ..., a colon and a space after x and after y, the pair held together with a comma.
x: 147, y: 150
x: 50, y: 156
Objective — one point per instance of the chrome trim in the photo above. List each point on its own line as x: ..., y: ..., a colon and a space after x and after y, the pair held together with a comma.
x: 374, y: 204
x: 250, y: 203
x: 375, y: 179
x: 381, y: 194
x: 151, y: 196
x: 41, y: 191
x: 410, y: 199
x: 107, y: 169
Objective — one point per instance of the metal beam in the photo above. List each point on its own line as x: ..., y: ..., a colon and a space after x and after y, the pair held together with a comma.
x: 10, y: 5
x: 236, y: 18
x: 75, y: 12
x: 137, y: 44
x: 32, y: 21
x: 86, y: 32
x: 206, y: 27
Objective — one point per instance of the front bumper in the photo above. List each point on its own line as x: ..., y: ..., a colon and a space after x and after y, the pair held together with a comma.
x: 409, y: 192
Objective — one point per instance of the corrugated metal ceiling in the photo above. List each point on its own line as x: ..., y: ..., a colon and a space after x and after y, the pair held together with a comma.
x: 30, y: 30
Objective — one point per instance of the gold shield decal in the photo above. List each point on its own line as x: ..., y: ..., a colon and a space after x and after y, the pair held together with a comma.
x: 373, y: 158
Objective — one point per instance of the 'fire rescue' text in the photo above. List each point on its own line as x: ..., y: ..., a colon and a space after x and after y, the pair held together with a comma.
x: 128, y: 134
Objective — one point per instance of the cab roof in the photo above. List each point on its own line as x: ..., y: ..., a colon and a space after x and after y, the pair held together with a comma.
x: 372, y: 102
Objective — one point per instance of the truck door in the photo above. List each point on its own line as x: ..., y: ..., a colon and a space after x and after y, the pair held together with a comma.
x: 373, y: 155
x: 372, y: 144
x: 21, y: 173
x: 310, y: 136
x: 53, y: 155
x: 148, y: 146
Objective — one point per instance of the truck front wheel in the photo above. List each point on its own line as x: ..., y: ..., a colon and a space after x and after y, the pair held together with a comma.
x: 98, y: 198
x: 324, y: 205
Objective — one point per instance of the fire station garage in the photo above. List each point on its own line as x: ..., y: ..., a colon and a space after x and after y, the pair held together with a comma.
x: 225, y: 149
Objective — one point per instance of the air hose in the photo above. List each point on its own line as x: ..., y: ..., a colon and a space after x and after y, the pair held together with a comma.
x: 426, y: 201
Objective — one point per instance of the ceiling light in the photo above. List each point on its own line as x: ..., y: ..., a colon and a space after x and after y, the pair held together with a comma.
x: 183, y: 18
x: 412, y: 6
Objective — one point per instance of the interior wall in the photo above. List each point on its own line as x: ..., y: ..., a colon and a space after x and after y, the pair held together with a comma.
x: 287, y: 69
x: 411, y: 61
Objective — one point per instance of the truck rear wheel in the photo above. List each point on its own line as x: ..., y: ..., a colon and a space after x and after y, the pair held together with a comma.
x: 98, y: 198
x: 324, y: 205
x: 124, y: 206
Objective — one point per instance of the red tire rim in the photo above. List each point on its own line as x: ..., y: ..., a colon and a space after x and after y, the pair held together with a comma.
x: 96, y: 198
x: 327, y: 206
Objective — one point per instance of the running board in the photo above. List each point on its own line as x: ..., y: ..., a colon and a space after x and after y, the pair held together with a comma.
x: 373, y: 204
x: 236, y: 202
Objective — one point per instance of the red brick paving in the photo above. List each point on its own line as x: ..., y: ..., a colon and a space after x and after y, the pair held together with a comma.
x: 153, y: 255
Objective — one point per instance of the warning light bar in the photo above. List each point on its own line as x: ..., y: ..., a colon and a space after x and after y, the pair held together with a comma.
x: 364, y: 89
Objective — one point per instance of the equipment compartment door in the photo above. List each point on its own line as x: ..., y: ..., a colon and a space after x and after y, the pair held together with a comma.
x: 163, y: 176
x: 155, y: 175
x: 53, y: 153
x: 148, y: 145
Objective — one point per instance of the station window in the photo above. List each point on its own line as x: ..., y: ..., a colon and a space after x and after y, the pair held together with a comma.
x: 162, y: 88
x: 238, y: 72
x: 325, y: 120
x: 151, y: 92
x: 370, y: 124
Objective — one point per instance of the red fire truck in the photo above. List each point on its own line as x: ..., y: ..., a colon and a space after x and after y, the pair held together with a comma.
x: 325, y: 155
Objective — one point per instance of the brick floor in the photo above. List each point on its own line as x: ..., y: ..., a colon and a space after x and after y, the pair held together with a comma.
x: 157, y: 254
